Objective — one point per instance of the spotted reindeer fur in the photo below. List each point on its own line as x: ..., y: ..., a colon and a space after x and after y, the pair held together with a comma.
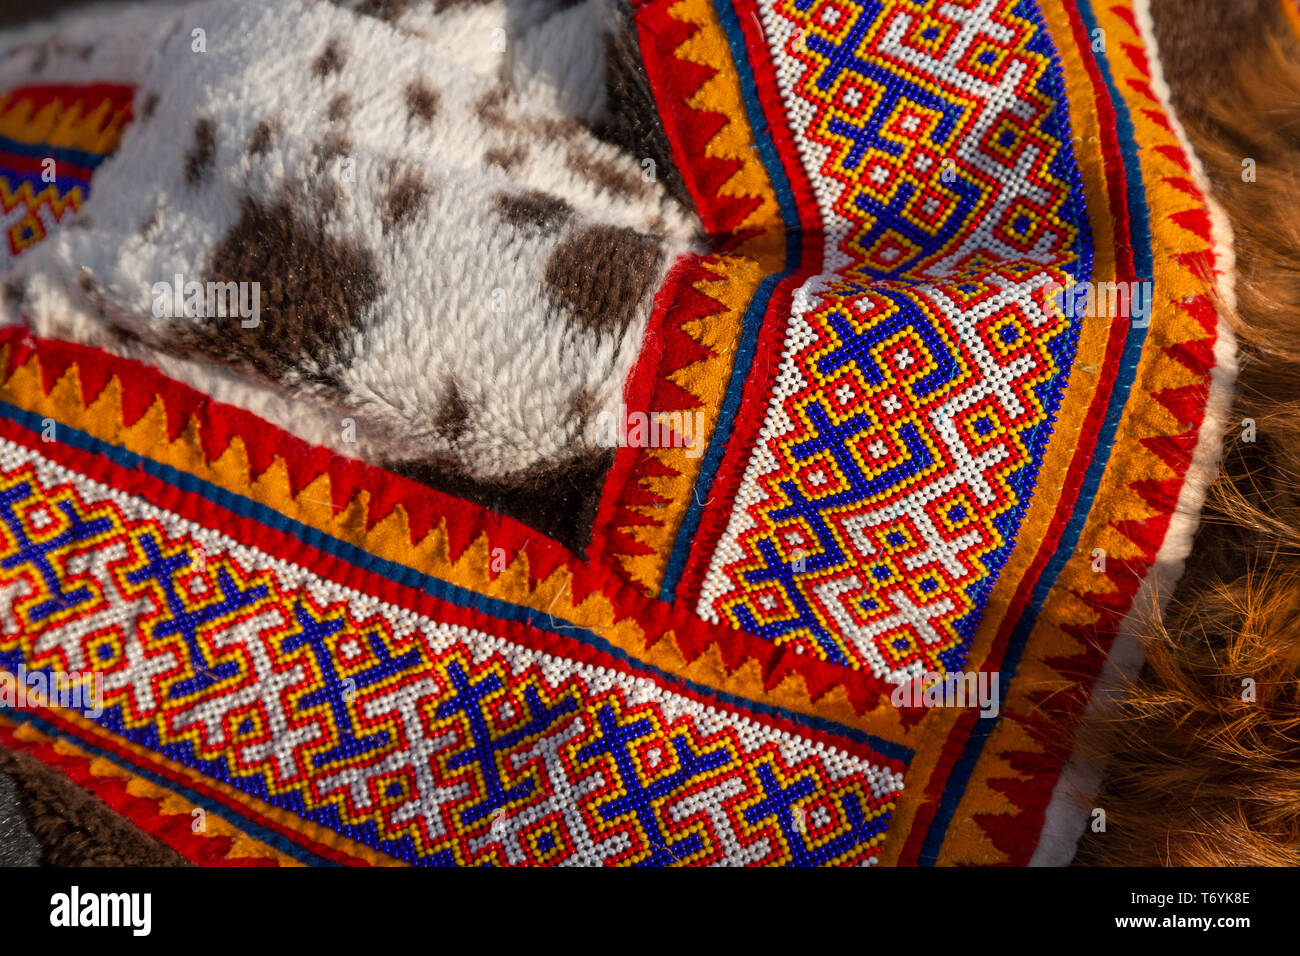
x: 520, y: 170
x: 455, y: 270
x: 1201, y: 774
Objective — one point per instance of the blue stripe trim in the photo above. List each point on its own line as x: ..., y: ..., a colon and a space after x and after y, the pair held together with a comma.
x: 434, y: 587
x: 754, y: 315
x: 66, y: 184
x: 223, y: 810
x: 1140, y: 229
x: 721, y: 437
x: 74, y: 157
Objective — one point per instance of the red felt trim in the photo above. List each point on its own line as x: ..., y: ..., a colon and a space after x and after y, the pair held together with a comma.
x: 674, y: 304
x: 42, y: 94
x: 1017, y: 834
x: 693, y: 635
x: 172, y: 829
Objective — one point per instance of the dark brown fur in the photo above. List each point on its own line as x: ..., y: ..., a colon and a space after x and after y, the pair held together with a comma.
x: 14, y: 293
x: 389, y: 10
x: 1198, y: 775
x: 453, y: 414
x: 491, y: 107
x: 558, y: 500
x: 440, y: 6
x: 314, y: 290
x: 601, y: 273
x: 631, y: 119
x: 506, y: 159
x: 533, y: 210
x: 72, y: 827
x: 263, y: 135
x: 199, y: 158
x: 340, y: 108
x: 614, y: 177
x: 333, y: 145
x: 406, y: 196
x: 331, y: 59
x: 422, y: 101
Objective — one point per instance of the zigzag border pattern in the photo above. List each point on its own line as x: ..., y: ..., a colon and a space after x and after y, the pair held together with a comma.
x: 398, y: 521
x: 159, y: 811
x: 1131, y: 513
x: 687, y: 357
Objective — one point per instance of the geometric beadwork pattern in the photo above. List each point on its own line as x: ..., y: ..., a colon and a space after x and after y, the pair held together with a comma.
x: 52, y: 138
x: 432, y: 742
x: 900, y: 458
x: 916, y: 465
x: 922, y: 367
x: 335, y: 662
x: 931, y: 132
